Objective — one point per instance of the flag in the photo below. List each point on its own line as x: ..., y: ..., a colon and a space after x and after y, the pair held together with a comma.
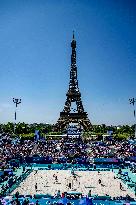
x: 37, y: 135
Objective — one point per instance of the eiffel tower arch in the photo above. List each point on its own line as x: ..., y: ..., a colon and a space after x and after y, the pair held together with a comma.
x: 73, y: 95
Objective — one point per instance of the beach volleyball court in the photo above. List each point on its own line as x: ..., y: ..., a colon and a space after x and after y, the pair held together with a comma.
x: 50, y: 181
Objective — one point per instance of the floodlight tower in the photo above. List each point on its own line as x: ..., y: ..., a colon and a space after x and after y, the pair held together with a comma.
x: 17, y: 102
x: 132, y: 101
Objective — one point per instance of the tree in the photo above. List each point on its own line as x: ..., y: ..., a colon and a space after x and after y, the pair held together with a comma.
x: 8, y: 128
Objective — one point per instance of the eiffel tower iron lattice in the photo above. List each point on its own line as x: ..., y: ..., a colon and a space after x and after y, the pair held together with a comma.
x: 73, y: 95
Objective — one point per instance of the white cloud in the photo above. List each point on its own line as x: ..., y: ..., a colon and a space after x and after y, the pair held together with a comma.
x: 6, y: 105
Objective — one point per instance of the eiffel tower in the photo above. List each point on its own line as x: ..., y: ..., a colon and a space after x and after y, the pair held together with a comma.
x: 73, y: 95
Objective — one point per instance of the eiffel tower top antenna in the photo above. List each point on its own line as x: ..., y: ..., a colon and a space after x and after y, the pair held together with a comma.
x: 73, y: 35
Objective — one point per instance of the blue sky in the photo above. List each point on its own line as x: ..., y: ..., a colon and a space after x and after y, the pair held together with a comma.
x: 35, y: 54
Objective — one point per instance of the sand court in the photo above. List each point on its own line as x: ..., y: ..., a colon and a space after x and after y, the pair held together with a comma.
x: 50, y: 181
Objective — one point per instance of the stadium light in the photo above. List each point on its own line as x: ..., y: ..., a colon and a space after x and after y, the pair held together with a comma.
x: 17, y: 102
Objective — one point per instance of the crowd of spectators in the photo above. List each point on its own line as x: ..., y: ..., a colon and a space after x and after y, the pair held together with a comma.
x: 68, y: 149
x: 115, y: 149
